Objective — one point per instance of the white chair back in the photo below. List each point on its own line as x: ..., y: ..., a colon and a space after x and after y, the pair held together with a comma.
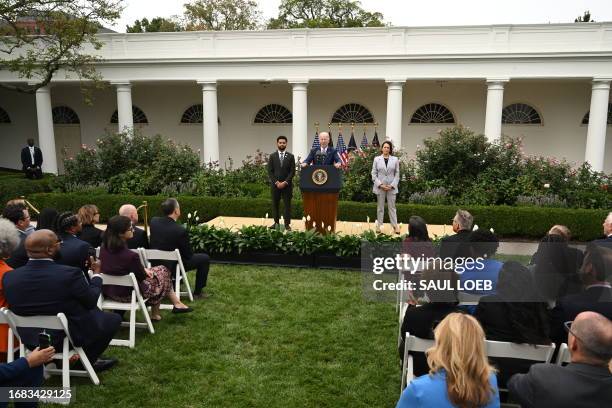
x: 412, y: 343
x: 503, y: 349
x: 563, y: 356
x: 10, y: 347
x: 180, y: 272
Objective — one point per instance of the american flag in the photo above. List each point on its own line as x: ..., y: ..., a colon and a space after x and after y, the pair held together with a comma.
x: 352, y: 144
x: 315, y: 143
x: 375, y: 141
x: 364, y: 141
x: 342, y: 152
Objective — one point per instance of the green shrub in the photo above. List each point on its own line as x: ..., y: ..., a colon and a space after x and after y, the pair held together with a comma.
x: 14, y: 185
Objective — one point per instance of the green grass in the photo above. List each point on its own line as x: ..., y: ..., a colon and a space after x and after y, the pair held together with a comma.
x: 268, y: 337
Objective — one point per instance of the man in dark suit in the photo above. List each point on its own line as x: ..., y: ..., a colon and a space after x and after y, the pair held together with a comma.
x: 31, y: 160
x: 18, y: 214
x: 140, y: 239
x: 281, y: 169
x: 586, y: 382
x: 73, y: 251
x: 167, y: 235
x: 43, y: 287
x: 329, y: 154
x: 595, y: 274
x: 453, y: 246
x: 607, y: 230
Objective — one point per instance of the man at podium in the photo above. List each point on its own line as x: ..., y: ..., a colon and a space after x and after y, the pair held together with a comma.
x: 326, y: 155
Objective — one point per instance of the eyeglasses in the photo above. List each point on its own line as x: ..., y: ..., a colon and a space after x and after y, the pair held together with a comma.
x: 568, y: 328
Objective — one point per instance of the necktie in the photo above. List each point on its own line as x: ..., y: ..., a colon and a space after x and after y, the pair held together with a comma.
x: 282, y: 157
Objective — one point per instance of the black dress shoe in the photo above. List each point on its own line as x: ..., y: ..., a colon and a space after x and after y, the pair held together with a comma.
x: 287, y: 228
x: 182, y: 310
x: 103, y: 365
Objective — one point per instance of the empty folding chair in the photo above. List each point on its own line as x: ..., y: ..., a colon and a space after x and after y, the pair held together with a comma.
x: 417, y: 344
x: 68, y: 350
x: 180, y: 275
x: 136, y: 303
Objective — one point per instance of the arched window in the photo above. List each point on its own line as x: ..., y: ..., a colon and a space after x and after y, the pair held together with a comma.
x: 63, y: 115
x: 520, y: 114
x: 352, y: 113
x: 137, y: 115
x: 4, y: 116
x: 585, y: 119
x: 193, y: 114
x: 273, y: 113
x: 432, y: 113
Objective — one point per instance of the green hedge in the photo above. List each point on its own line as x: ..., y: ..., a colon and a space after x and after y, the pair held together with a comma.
x: 527, y: 222
x: 14, y: 185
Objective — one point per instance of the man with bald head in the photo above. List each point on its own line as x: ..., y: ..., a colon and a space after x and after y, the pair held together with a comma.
x: 330, y: 154
x: 43, y: 287
x: 140, y: 239
x: 585, y: 382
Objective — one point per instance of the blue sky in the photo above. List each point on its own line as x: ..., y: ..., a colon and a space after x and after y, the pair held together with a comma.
x: 420, y: 13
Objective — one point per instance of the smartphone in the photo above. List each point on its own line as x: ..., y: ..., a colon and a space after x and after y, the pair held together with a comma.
x: 44, y: 340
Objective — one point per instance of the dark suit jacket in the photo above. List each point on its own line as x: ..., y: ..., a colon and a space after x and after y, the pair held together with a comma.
x: 26, y: 157
x: 43, y: 287
x: 74, y: 252
x: 91, y: 235
x: 606, y: 242
x: 550, y: 385
x: 19, y: 257
x: 331, y: 156
x: 454, y: 246
x: 167, y: 235
x: 11, y: 371
x: 139, y: 240
x: 595, y: 298
x: 278, y: 172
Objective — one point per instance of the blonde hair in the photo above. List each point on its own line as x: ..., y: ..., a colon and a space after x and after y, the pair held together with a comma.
x: 459, y: 349
x: 561, y: 230
x: 87, y: 213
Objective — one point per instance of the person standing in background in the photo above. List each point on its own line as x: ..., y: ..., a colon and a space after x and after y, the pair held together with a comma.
x: 32, y: 160
x: 385, y: 176
x: 281, y: 169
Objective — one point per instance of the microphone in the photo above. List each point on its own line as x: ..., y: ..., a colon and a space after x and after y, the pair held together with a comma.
x: 319, y: 157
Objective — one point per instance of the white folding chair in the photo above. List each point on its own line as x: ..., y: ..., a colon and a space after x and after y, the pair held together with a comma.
x: 180, y: 275
x: 58, y: 322
x: 417, y: 344
x: 468, y: 299
x: 136, y: 303
x: 563, y: 356
x: 137, y: 250
x: 10, y: 348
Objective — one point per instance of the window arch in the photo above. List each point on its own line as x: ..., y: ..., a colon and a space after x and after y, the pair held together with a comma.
x: 64, y: 115
x: 195, y: 114
x: 432, y: 113
x: 273, y: 113
x: 4, y: 116
x: 521, y: 114
x: 585, y: 118
x: 138, y: 116
x: 352, y: 113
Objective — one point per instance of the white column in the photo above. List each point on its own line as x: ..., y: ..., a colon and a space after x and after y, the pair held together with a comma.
x: 495, y: 106
x: 598, y: 123
x: 210, y: 149
x: 300, y: 118
x: 394, y: 112
x: 46, y: 137
x: 124, y: 107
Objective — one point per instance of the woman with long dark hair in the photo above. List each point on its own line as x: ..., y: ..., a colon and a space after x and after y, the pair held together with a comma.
x: 47, y: 219
x: 155, y: 283
x: 418, y: 243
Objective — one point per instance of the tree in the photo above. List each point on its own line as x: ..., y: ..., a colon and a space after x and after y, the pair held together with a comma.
x: 217, y: 15
x: 585, y: 18
x: 156, y: 25
x: 324, y: 14
x: 40, y: 37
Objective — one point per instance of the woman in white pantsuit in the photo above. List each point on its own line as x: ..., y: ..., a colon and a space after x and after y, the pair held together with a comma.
x: 385, y: 175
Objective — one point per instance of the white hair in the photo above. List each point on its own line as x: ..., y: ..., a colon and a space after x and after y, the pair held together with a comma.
x: 609, y: 218
x: 464, y: 219
x: 9, y: 238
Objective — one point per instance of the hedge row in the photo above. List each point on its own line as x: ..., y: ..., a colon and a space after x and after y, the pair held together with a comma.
x: 14, y: 185
x: 526, y: 222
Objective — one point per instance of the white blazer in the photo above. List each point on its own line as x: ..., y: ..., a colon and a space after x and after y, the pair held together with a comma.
x: 385, y: 174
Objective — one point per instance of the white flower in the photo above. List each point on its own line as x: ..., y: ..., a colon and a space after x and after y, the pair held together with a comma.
x: 308, y: 218
x: 266, y: 216
x: 492, y: 230
x: 197, y: 219
x: 475, y: 227
x: 304, y: 219
x: 189, y: 215
x: 329, y: 228
x: 547, y: 185
x: 180, y: 179
x: 368, y: 219
x: 314, y: 225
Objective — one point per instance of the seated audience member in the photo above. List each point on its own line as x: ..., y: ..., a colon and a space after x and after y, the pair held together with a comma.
x: 422, y: 320
x: 18, y: 214
x: 585, y: 382
x: 140, y: 239
x: 607, y: 230
x: 20, y: 201
x: 47, y: 219
x: 513, y: 315
x: 167, y: 235
x: 452, y: 245
x: 460, y: 374
x: 43, y: 287
x: 596, y: 296
x: 89, y: 216
x: 418, y: 243
x: 556, y: 265
x: 482, y: 244
x: 25, y: 372
x: 117, y: 259
x: 73, y: 251
x: 9, y: 240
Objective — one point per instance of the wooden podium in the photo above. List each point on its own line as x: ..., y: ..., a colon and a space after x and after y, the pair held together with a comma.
x: 320, y: 186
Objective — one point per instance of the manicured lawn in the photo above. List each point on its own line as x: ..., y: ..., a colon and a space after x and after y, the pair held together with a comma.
x: 268, y: 337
